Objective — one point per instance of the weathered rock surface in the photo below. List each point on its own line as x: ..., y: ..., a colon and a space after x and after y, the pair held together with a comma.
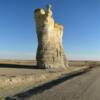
x: 50, y: 52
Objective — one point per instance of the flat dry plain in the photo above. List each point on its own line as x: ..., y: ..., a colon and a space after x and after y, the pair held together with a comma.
x: 20, y: 75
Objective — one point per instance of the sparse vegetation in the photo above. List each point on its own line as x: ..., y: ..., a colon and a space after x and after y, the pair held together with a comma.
x: 22, y: 77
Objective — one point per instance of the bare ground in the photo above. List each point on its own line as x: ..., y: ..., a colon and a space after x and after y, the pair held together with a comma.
x: 20, y: 76
x: 83, y: 87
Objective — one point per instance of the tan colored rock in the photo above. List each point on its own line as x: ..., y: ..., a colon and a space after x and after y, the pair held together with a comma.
x: 50, y: 52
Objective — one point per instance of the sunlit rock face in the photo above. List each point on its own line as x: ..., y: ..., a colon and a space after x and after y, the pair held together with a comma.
x: 50, y: 52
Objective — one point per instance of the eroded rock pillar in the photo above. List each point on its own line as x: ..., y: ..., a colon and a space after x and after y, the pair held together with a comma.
x: 50, y: 52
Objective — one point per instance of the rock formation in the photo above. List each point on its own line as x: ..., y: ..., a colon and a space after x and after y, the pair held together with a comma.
x: 50, y: 52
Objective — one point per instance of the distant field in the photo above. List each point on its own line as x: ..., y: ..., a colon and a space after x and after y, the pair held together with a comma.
x: 76, y: 63
x: 33, y: 62
x: 20, y: 62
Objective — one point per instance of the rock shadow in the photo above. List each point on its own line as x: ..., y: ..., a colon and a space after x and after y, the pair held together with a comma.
x: 2, y: 65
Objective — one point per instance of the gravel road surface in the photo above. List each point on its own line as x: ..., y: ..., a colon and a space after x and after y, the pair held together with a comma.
x: 82, y: 87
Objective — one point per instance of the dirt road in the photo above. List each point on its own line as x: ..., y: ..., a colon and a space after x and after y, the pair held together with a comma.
x: 82, y: 87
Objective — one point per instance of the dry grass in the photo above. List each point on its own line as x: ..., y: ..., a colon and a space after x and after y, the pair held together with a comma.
x: 20, y: 62
x: 14, y: 80
x: 33, y: 62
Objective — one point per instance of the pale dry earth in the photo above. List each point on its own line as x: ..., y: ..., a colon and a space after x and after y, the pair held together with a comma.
x: 82, y: 87
x: 17, y: 80
x: 14, y: 81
